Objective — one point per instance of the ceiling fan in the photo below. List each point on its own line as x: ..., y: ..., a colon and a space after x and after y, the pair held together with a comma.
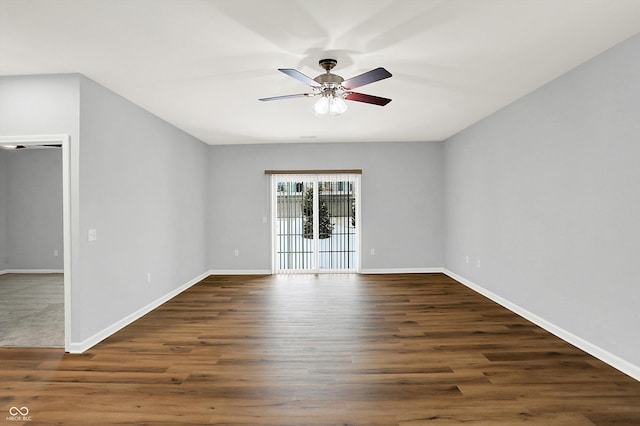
x: 333, y: 89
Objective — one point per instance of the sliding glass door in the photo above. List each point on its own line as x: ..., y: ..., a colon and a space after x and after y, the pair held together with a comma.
x: 315, y: 223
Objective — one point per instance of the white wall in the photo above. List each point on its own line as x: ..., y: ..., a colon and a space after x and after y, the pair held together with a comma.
x: 34, y: 209
x: 4, y: 252
x: 402, y: 200
x: 545, y: 194
x: 142, y: 188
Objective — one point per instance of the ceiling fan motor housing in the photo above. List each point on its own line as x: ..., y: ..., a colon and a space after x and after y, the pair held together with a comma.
x: 331, y: 80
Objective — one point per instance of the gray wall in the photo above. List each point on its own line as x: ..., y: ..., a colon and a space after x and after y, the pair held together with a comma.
x: 545, y: 194
x: 45, y: 105
x: 142, y: 188
x: 141, y: 185
x: 4, y: 179
x: 409, y: 175
x: 34, y: 209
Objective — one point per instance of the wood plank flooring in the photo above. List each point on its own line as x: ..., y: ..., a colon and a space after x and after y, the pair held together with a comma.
x: 406, y: 349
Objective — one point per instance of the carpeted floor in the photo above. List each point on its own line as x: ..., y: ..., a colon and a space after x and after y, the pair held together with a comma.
x: 32, y: 310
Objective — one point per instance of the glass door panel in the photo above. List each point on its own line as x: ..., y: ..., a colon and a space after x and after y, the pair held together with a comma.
x: 293, y: 229
x: 337, y: 222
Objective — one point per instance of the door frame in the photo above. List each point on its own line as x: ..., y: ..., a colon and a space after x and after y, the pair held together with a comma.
x: 315, y: 176
x: 63, y: 140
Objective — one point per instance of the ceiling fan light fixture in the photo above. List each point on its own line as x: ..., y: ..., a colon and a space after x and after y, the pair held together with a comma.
x: 322, y: 106
x: 331, y: 103
x: 337, y: 106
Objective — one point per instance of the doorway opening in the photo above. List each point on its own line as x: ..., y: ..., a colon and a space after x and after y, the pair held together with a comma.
x: 315, y: 219
x: 63, y: 142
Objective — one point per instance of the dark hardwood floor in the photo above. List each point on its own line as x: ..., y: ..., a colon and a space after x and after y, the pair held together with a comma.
x: 404, y: 349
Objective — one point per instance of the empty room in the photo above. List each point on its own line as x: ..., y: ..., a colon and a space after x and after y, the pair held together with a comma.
x: 297, y: 212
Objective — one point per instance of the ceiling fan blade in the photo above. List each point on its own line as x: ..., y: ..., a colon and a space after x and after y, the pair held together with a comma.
x: 276, y: 98
x: 366, y: 78
x: 299, y: 76
x: 369, y: 99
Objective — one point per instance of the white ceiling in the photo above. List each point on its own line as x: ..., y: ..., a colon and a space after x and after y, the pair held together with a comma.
x: 202, y: 64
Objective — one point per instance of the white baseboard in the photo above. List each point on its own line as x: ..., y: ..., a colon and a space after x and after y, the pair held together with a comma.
x: 239, y: 272
x: 31, y: 271
x: 403, y: 271
x: 80, y: 347
x: 602, y: 354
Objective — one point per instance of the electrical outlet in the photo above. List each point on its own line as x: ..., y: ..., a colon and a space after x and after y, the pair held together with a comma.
x: 478, y: 263
x: 466, y: 259
x: 373, y: 252
x: 55, y: 253
x: 92, y: 235
x: 148, y: 277
x: 236, y: 252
